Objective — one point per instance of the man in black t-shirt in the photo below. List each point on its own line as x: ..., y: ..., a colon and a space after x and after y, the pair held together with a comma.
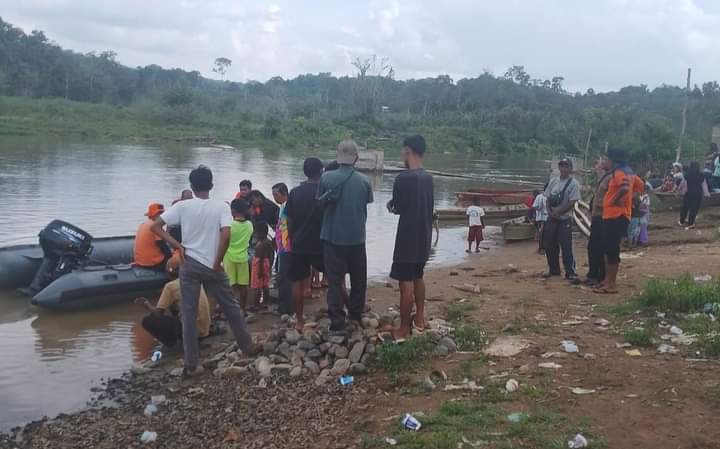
x: 304, y: 223
x: 413, y: 201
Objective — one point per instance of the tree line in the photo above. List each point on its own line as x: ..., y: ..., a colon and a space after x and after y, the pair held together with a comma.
x: 487, y: 114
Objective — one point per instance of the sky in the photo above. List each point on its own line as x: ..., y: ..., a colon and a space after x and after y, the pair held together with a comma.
x: 603, y: 44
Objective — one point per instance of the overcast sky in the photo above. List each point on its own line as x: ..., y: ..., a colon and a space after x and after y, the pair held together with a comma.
x: 604, y: 44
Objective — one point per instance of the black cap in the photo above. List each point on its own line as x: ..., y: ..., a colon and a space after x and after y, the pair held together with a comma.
x: 565, y: 161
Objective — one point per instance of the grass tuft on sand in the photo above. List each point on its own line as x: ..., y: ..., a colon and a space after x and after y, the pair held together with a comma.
x: 412, y: 354
x: 642, y: 337
x: 683, y: 295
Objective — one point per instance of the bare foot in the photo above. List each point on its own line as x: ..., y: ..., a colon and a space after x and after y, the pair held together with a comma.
x: 400, y: 334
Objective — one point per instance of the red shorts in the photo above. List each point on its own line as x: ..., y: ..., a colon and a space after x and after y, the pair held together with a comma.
x: 257, y: 281
x: 475, y: 234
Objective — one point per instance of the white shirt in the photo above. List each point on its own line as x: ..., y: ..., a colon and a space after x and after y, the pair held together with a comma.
x: 475, y: 212
x: 201, y: 221
x: 540, y: 206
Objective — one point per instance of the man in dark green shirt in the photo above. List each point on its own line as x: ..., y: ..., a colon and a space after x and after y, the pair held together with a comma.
x: 343, y: 234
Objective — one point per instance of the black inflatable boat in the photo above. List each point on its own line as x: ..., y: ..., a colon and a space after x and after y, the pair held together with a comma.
x: 69, y: 270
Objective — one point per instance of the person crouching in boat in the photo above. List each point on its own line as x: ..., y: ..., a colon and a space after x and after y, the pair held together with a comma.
x: 163, y: 322
x: 150, y: 251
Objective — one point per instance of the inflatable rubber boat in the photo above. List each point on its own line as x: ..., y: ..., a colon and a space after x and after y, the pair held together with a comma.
x: 69, y: 270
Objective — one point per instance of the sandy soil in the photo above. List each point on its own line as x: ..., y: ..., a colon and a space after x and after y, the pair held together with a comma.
x: 650, y: 401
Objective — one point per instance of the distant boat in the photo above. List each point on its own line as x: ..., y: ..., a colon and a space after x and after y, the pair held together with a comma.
x: 492, y: 213
x: 674, y: 200
x: 501, y: 197
x: 517, y: 229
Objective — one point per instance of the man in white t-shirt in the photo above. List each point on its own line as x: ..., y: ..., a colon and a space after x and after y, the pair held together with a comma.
x: 475, y: 215
x: 205, y: 227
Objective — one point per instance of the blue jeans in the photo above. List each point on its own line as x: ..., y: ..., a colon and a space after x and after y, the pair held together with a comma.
x: 557, y: 236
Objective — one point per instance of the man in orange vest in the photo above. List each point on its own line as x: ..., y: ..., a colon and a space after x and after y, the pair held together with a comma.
x: 150, y: 251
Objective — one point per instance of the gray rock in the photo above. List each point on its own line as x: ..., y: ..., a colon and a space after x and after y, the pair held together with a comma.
x: 325, y: 373
x: 373, y: 323
x: 314, y: 354
x: 277, y: 358
x: 366, y: 359
x: 386, y: 320
x: 284, y: 349
x: 177, y: 372
x: 296, y: 371
x: 322, y: 380
x: 428, y: 384
x: 292, y: 336
x: 313, y: 367
x: 324, y: 347
x: 441, y: 351
x: 231, y: 371
x: 357, y: 368
x: 336, y: 339
x: 448, y: 343
x: 433, y: 334
x: 306, y: 345
x: 137, y: 369
x: 283, y: 366
x: 357, y: 352
x: 370, y: 333
x: 264, y: 366
x: 285, y: 318
x: 323, y: 322
x: 313, y: 337
x: 356, y: 337
x: 365, y: 321
x: 340, y: 352
x: 324, y: 362
x: 269, y: 346
x: 370, y: 348
x: 340, y: 367
x: 251, y: 318
x: 296, y: 359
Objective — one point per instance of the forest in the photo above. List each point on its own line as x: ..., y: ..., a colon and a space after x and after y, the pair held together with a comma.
x: 48, y: 90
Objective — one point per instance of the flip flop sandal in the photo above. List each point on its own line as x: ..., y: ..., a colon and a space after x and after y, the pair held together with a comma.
x: 604, y: 291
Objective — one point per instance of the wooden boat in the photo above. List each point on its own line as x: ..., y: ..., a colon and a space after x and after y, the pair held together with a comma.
x: 510, y: 198
x: 674, y: 200
x: 492, y: 213
x: 496, y: 196
x: 517, y: 229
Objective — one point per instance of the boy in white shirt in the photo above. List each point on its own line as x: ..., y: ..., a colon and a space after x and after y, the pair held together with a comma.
x: 540, y: 215
x: 475, y: 215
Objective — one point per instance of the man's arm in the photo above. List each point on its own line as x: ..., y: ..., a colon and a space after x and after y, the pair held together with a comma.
x: 394, y: 205
x: 157, y: 229
x: 222, y: 247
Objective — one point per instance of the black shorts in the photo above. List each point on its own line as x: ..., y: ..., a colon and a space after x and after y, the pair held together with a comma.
x: 407, y: 271
x: 300, y: 265
x: 613, y: 231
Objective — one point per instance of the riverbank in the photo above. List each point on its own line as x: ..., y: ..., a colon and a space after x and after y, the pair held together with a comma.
x: 615, y: 396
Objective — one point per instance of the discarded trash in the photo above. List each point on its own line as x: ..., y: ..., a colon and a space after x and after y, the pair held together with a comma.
x: 550, y: 355
x: 622, y: 345
x: 346, y: 380
x: 158, y: 399
x: 577, y: 442
x: 197, y: 391
x: 684, y: 339
x: 516, y: 417
x: 150, y: 409
x: 602, y: 322
x: 511, y: 386
x: 702, y: 278
x: 674, y: 330
x: 550, y: 365
x: 509, y: 346
x: 262, y: 383
x: 712, y: 307
x: 157, y: 355
x: 465, y: 385
x: 632, y: 255
x: 469, y: 288
x: 411, y: 423
x: 667, y: 349
x: 581, y: 391
x: 571, y: 322
x: 148, y: 437
x: 569, y: 346
x: 633, y: 352
x: 391, y: 441
x: 589, y: 356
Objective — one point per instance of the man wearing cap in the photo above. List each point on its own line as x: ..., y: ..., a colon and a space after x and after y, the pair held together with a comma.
x: 150, y: 251
x: 344, y: 194
x: 616, y: 213
x: 562, y: 193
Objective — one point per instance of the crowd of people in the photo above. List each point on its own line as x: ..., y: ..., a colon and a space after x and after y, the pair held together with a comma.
x: 224, y: 253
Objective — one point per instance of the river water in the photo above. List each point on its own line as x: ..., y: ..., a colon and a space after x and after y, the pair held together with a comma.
x: 49, y: 361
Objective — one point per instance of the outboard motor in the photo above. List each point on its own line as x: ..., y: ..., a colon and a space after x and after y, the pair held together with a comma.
x: 64, y: 247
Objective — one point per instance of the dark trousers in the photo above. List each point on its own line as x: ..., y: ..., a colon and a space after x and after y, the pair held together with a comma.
x: 193, y: 274
x: 557, y: 236
x: 690, y: 207
x: 339, y: 260
x: 596, y: 254
x: 284, y: 284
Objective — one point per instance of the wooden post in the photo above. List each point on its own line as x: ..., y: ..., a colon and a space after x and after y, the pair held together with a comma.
x: 684, y: 119
x: 587, y: 148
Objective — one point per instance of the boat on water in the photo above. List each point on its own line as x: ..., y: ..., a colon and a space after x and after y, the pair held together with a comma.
x: 517, y: 229
x: 674, y: 200
x: 500, y: 197
x: 69, y: 270
x: 492, y: 213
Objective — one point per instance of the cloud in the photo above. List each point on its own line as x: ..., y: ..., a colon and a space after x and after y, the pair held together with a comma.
x: 604, y: 44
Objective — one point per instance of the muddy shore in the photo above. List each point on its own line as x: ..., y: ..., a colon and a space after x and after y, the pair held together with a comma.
x: 651, y: 400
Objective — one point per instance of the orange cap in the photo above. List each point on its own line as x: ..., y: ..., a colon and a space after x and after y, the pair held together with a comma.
x: 154, y: 209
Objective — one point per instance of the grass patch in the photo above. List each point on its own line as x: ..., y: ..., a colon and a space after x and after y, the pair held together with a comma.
x: 470, y: 337
x: 625, y: 308
x: 683, y: 295
x: 639, y: 337
x: 470, y: 368
x: 410, y: 355
x: 478, y: 423
x: 459, y: 311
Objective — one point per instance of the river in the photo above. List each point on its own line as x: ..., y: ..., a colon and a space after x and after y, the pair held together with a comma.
x: 50, y: 361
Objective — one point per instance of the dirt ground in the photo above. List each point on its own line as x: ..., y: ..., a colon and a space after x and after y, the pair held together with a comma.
x: 648, y: 401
